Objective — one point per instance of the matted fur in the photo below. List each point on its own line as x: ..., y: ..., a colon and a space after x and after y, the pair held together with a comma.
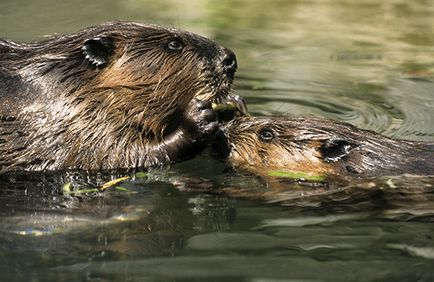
x: 59, y: 111
x: 321, y: 146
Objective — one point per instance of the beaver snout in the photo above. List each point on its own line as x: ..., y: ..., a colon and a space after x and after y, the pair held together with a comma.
x: 229, y: 62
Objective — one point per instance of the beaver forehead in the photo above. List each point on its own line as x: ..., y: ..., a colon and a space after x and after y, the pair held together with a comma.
x: 129, y: 34
x: 247, y: 125
x: 289, y: 127
x: 131, y: 27
x: 142, y: 33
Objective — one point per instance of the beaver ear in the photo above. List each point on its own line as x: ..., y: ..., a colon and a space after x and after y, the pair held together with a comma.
x: 98, y: 50
x: 335, y: 149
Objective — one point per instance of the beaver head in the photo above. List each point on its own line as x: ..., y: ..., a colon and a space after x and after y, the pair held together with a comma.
x: 310, y: 145
x: 105, y: 93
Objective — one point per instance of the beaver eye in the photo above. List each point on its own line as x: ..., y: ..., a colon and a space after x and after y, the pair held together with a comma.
x: 266, y: 135
x: 175, y: 45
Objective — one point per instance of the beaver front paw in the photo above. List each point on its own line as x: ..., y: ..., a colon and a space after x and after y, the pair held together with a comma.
x: 200, y: 120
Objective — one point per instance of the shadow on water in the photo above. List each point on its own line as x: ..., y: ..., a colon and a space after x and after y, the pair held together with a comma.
x: 364, y: 62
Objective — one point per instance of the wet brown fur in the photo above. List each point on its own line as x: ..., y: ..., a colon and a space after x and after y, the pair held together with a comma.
x: 59, y: 110
x: 320, y: 146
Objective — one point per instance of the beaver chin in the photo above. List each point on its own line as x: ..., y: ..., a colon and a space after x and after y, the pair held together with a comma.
x: 224, y: 101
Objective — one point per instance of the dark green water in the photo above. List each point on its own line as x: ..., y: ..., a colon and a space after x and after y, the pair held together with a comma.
x: 370, y: 63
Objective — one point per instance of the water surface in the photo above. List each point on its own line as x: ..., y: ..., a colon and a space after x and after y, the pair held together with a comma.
x: 365, y: 62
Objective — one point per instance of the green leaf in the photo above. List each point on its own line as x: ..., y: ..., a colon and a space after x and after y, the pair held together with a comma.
x: 66, y: 188
x: 297, y: 175
x: 126, y: 190
x: 120, y: 188
x: 391, y: 184
x: 112, y: 183
x: 141, y: 174
x: 223, y: 106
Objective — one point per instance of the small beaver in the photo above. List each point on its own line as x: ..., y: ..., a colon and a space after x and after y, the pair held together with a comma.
x: 319, y: 146
x: 115, y: 96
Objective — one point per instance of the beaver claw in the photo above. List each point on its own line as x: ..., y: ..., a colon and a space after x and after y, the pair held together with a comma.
x: 200, y: 120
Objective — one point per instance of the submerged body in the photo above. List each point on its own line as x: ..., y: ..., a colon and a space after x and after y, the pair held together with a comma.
x: 114, y: 96
x: 265, y: 145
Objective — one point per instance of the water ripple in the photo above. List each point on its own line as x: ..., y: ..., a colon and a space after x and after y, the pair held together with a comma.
x: 390, y: 111
x: 357, y: 112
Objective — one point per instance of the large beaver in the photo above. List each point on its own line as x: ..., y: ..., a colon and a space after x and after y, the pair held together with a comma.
x: 324, y: 147
x: 118, y: 95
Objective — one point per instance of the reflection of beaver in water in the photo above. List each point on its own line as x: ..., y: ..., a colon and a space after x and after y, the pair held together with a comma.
x: 319, y: 146
x: 118, y: 95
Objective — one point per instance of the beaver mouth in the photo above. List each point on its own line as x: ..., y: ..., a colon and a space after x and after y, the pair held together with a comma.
x: 229, y: 108
x: 219, y: 93
x: 217, y: 85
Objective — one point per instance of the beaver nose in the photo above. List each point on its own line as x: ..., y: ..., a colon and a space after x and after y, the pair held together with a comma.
x: 229, y: 63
